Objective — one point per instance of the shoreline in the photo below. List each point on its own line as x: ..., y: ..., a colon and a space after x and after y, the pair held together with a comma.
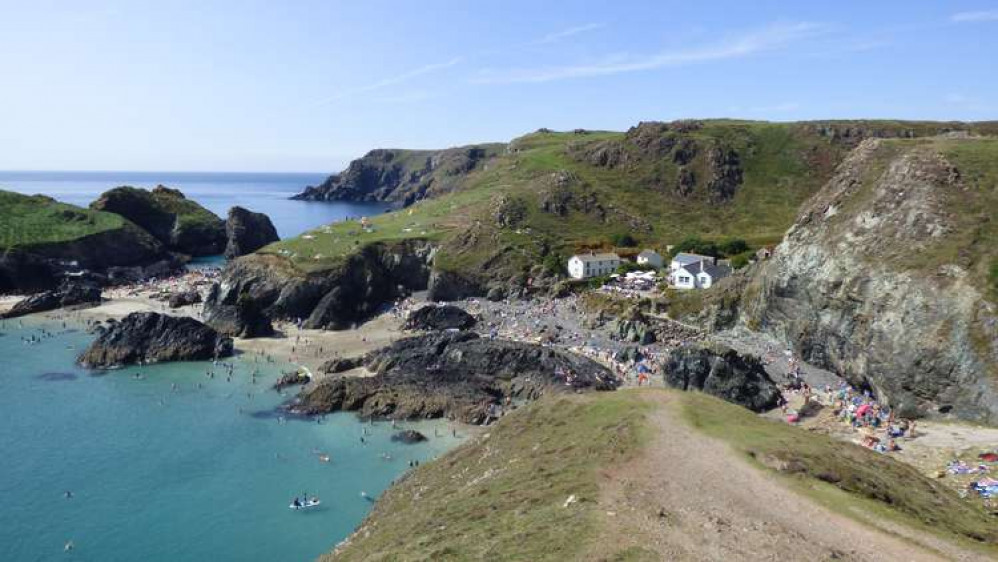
x: 936, y: 442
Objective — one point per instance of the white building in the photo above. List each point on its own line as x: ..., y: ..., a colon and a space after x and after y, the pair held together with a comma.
x: 650, y: 258
x: 584, y: 266
x: 699, y: 275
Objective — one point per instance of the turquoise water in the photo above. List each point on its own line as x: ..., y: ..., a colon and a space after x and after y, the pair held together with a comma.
x: 164, y: 475
x: 218, y: 191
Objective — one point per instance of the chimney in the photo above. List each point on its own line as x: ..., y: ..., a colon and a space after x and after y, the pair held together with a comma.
x: 701, y: 266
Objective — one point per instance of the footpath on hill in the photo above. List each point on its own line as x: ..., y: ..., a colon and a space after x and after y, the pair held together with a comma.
x: 693, y: 497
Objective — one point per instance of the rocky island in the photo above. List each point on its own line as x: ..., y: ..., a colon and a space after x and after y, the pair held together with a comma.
x: 148, y: 337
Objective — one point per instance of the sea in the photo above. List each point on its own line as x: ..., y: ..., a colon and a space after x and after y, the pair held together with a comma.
x: 218, y: 191
x: 163, y: 462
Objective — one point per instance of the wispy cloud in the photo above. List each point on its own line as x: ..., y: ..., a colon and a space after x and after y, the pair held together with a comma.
x: 565, y: 33
x: 390, y: 81
x: 767, y: 39
x: 972, y: 17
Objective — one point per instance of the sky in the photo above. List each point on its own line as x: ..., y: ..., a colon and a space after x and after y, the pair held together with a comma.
x: 309, y: 85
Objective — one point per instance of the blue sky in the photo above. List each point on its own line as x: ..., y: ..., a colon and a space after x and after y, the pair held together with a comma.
x: 306, y: 86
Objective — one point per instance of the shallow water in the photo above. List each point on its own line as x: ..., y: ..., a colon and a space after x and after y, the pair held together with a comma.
x: 162, y: 475
x: 263, y: 193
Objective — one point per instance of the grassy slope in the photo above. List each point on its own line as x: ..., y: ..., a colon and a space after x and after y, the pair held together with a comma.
x: 31, y: 220
x: 849, y: 479
x: 783, y: 164
x: 501, y: 498
x: 188, y: 212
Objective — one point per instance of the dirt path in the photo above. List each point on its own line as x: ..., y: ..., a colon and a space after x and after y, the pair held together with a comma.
x: 690, y: 497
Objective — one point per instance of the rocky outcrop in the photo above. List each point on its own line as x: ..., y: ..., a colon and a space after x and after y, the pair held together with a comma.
x: 148, y: 337
x: 185, y: 298
x: 259, y: 288
x: 721, y: 372
x: 69, y: 294
x: 447, y: 317
x: 340, y: 365
x: 179, y: 223
x: 294, y: 378
x: 724, y: 174
x: 881, y: 279
x: 454, y: 375
x: 247, y: 232
x: 402, y: 176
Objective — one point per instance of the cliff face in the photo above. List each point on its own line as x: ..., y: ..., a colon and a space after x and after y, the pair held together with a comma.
x: 883, y: 276
x: 402, y: 176
x: 257, y: 288
x: 112, y: 255
x: 247, y: 232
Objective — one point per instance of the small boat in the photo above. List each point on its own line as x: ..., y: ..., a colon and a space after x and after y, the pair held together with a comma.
x: 314, y: 502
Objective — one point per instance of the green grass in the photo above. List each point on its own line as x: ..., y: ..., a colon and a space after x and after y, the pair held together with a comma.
x: 502, y: 499
x: 783, y: 165
x: 189, y: 213
x: 847, y: 478
x: 27, y: 221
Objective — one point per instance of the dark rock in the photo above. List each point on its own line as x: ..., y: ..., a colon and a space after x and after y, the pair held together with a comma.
x: 447, y: 317
x: 148, y: 337
x: 340, y: 364
x: 236, y: 314
x: 457, y: 375
x: 185, y: 298
x: 409, y: 437
x: 740, y: 379
x: 258, y: 288
x: 69, y: 294
x: 452, y: 286
x: 291, y: 379
x: 686, y: 182
x: 724, y: 174
x: 247, y: 232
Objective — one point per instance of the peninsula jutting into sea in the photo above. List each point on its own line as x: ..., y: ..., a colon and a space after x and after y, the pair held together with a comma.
x: 657, y: 338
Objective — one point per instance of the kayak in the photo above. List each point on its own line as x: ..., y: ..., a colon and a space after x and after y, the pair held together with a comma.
x: 306, y: 505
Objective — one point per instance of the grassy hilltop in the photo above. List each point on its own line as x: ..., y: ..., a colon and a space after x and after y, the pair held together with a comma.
x: 32, y: 220
x: 554, y: 193
x: 605, y: 477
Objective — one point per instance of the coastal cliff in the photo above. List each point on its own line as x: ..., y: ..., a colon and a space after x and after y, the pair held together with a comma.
x: 402, y: 176
x: 43, y: 240
x: 888, y: 276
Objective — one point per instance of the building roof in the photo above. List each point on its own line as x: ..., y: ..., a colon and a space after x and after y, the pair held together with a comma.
x: 686, y: 259
x: 649, y: 254
x: 597, y: 257
x: 715, y: 271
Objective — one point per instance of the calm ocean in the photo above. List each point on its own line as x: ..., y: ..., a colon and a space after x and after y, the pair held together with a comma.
x: 159, y: 474
x: 218, y: 191
x: 172, y: 475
